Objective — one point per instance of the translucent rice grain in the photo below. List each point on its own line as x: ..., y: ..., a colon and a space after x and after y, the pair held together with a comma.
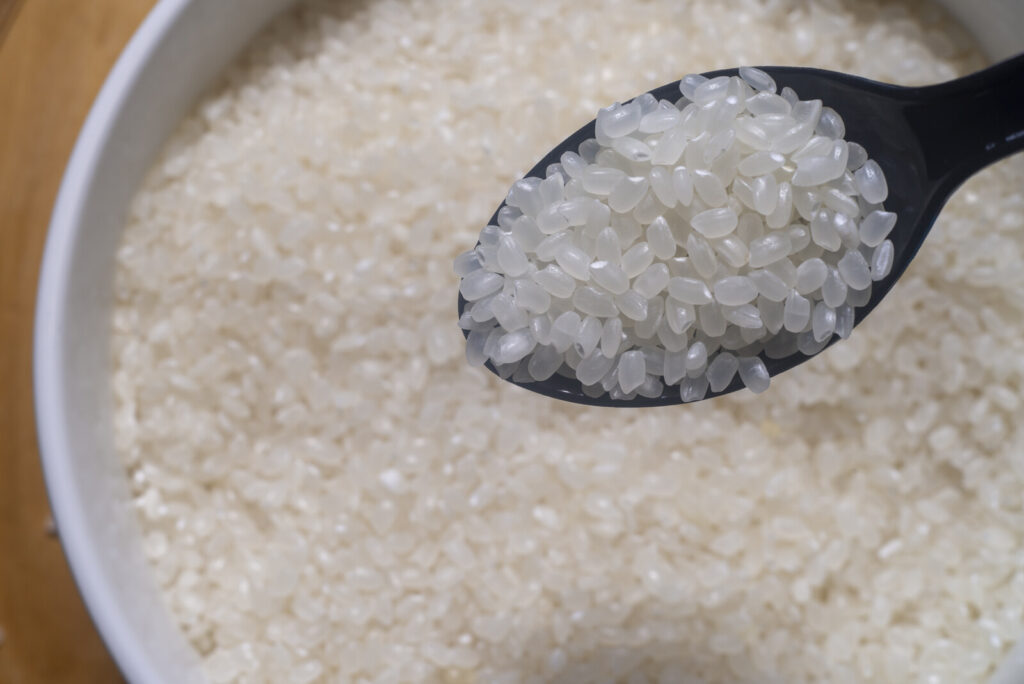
x: 830, y: 124
x: 808, y: 345
x: 732, y: 250
x: 674, y: 369
x: 709, y: 188
x: 555, y: 281
x: 636, y: 259
x: 846, y: 228
x: 607, y: 247
x: 524, y: 196
x: 551, y: 245
x: 601, y: 180
x: 689, y: 290
x: 680, y: 317
x: 844, y: 321
x: 782, y: 214
x: 564, y: 330
x: 652, y: 387
x: 882, y: 260
x: 768, y: 103
x: 876, y: 226
x: 589, y: 336
x: 662, y: 118
x: 551, y: 189
x: 593, y: 302
x: 710, y: 90
x: 765, y: 194
x: 870, y: 182
x: 543, y: 363
x: 660, y: 239
x: 769, y: 285
x: 858, y: 155
x: 526, y: 233
x: 823, y: 231
x: 481, y: 310
x: 514, y: 346
x: 757, y: 79
x: 593, y: 367
x: 772, y: 313
x: 466, y: 263
x: 652, y: 281
x: 661, y: 184
x: 823, y: 321
x: 475, y: 347
x: 834, y: 289
x: 531, y: 296
x: 714, y: 223
x: 633, y: 305
x: 572, y: 164
x: 854, y: 269
x: 682, y: 184
x: 509, y: 316
x: 769, y: 249
x: 588, y: 150
x: 711, y: 320
x: 609, y: 276
x: 721, y: 371
x: 574, y: 261
x: 511, y: 258
x: 540, y: 328
x: 792, y: 139
x: 812, y: 171
x: 799, y: 237
x: 619, y: 120
x: 745, y: 316
x: 785, y: 270
x: 693, y: 389
x: 807, y: 112
x: 689, y: 83
x: 611, y: 337
x: 632, y: 369
x: 760, y: 163
x: 696, y: 359
x: 858, y: 298
x: 735, y: 290
x: 838, y: 202
x: 753, y: 135
x: 797, y: 313
x: 627, y: 194
x: 810, y: 276
x: 479, y: 284
x: 670, y: 147
x: 754, y: 374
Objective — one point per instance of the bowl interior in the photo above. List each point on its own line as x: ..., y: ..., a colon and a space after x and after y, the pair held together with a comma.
x: 177, y: 52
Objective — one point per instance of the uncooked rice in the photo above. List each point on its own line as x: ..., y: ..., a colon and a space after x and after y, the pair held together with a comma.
x: 647, y: 261
x: 328, y: 492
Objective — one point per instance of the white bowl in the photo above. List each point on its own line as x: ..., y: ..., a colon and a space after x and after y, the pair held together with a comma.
x: 175, y: 54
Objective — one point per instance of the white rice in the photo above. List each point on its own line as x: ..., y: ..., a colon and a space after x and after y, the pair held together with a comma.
x: 621, y: 235
x: 329, y: 493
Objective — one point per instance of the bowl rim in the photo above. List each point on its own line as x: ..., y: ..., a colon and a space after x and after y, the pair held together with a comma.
x: 49, y: 367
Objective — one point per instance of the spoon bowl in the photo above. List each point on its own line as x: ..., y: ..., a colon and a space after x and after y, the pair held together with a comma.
x: 927, y: 140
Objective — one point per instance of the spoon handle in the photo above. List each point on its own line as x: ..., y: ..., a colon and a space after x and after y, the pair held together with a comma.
x: 969, y: 123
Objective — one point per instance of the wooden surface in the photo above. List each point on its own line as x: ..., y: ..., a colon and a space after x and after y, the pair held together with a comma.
x: 54, y: 55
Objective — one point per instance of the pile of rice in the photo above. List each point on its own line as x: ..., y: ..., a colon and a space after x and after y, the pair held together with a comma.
x: 329, y: 493
x: 626, y: 270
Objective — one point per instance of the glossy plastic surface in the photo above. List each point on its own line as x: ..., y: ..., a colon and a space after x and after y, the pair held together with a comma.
x: 927, y: 140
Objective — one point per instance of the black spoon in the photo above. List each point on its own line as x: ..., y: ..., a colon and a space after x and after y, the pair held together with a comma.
x: 927, y: 140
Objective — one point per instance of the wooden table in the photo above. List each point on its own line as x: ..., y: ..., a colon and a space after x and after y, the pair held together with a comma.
x: 54, y: 55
